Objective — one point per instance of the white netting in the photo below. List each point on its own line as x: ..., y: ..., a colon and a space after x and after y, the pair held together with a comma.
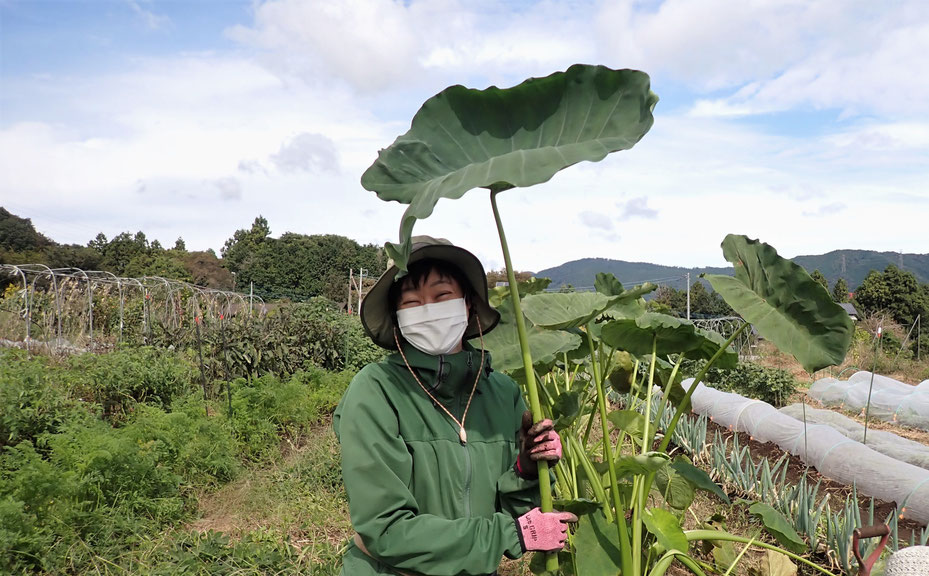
x: 822, y: 447
x: 891, y: 400
x: 884, y: 442
x: 912, y: 561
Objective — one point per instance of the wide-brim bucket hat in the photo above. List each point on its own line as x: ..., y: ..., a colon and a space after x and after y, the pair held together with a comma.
x: 376, y: 315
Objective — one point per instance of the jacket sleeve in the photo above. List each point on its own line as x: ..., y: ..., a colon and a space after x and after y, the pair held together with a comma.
x: 376, y: 469
x: 517, y: 495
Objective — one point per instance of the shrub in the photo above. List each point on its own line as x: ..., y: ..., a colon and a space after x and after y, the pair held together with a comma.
x: 113, y: 469
x: 119, y: 380
x: 266, y: 408
x: 325, y: 389
x: 269, y: 408
x: 290, y: 338
x: 772, y: 385
x: 32, y: 401
x: 32, y: 494
x: 201, y: 450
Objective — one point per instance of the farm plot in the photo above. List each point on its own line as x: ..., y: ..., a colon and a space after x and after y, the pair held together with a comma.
x: 883, y: 397
x: 832, y: 453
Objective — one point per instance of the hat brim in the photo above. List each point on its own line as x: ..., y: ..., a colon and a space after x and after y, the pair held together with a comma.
x: 375, y: 308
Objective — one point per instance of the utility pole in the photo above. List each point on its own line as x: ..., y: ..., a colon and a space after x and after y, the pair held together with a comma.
x: 351, y: 279
x: 688, y: 295
x: 361, y: 278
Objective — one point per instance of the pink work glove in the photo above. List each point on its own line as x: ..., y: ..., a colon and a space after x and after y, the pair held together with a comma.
x: 537, y: 441
x: 543, y: 531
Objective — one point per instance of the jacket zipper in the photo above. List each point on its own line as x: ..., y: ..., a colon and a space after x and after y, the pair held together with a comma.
x: 467, y: 454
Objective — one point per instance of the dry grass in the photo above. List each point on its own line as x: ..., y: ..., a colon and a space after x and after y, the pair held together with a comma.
x: 302, y: 498
x: 861, y: 356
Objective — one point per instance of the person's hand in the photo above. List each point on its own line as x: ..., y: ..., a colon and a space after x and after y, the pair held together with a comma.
x: 543, y: 531
x: 537, y: 441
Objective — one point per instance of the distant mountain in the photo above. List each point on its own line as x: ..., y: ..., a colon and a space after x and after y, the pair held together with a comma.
x: 857, y: 263
x: 853, y: 265
x: 581, y: 273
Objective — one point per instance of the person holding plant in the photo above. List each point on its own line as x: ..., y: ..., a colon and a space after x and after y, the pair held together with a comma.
x: 439, y: 454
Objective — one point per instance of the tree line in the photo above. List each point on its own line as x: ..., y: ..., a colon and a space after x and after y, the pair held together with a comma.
x: 293, y: 266
x: 299, y: 267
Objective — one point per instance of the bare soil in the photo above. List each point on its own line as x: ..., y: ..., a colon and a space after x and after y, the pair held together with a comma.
x: 796, y: 468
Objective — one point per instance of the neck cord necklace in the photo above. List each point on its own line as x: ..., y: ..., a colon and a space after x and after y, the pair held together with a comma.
x: 461, y: 429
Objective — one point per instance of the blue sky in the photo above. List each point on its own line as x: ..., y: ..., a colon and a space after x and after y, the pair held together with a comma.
x: 804, y: 124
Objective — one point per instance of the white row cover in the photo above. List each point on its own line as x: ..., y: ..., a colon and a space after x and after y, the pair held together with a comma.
x: 832, y: 454
x: 891, y: 400
x: 883, y: 441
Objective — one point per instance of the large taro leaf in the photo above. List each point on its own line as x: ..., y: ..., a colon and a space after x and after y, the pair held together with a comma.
x: 606, y: 283
x: 674, y: 487
x: 674, y: 336
x: 500, y: 295
x: 778, y: 526
x: 560, y: 311
x: 578, y: 506
x: 499, y: 138
x: 666, y: 528
x: 698, y: 477
x: 566, y: 310
x: 546, y: 345
x: 567, y: 407
x: 596, y: 544
x: 784, y: 303
x: 640, y: 464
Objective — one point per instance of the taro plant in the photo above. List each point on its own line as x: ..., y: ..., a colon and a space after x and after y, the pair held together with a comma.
x: 631, y: 493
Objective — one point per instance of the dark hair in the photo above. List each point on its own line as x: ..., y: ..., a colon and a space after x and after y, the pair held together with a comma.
x: 417, y: 274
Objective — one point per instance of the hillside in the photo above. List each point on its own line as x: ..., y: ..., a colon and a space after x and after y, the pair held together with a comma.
x: 856, y: 263
x: 581, y: 273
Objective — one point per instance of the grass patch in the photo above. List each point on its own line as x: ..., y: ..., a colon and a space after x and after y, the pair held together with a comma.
x: 301, y: 500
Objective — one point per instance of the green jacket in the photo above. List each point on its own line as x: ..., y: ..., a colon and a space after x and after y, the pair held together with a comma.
x: 422, y: 501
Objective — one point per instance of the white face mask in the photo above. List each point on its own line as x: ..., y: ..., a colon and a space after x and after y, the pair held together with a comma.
x: 434, y: 328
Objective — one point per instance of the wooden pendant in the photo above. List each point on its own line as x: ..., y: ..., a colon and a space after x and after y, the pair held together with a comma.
x: 463, y: 435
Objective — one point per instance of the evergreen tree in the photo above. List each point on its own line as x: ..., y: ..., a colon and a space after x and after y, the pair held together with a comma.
x: 818, y: 276
x: 896, y: 292
x: 840, y: 291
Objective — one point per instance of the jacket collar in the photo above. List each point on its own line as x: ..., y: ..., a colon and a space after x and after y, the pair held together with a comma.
x: 446, y: 375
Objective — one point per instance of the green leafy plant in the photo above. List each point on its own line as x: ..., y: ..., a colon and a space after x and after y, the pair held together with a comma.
x: 499, y: 139
x: 32, y: 400
x: 121, y: 379
x: 772, y: 385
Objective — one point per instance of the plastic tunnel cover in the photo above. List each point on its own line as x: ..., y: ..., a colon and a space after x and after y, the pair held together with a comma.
x: 829, y: 451
x: 891, y: 400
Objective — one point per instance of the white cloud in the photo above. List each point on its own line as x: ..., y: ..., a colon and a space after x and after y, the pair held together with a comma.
x: 595, y: 220
x: 380, y: 44
x: 368, y: 43
x: 859, y: 57
x: 826, y: 210
x: 636, y: 207
x: 229, y: 189
x: 307, y: 153
x: 152, y: 20
x: 210, y: 140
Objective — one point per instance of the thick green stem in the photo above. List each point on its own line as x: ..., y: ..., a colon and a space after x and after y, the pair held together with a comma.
x: 700, y: 375
x: 666, y: 397
x: 646, y: 439
x: 711, y: 535
x: 626, y: 559
x: 581, y: 455
x: 545, y: 487
x: 642, y: 484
